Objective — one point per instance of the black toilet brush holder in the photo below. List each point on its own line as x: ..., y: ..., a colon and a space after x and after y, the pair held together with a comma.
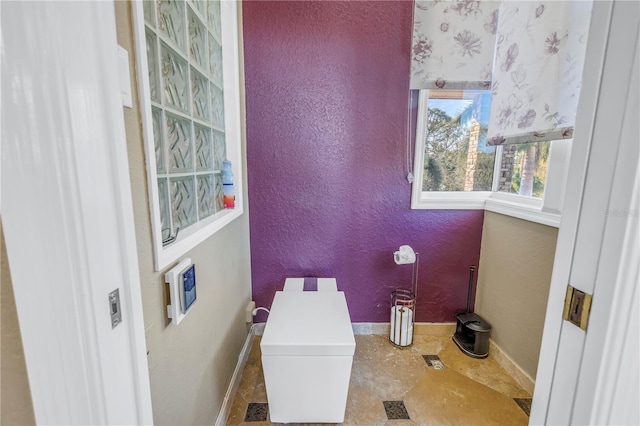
x: 472, y: 331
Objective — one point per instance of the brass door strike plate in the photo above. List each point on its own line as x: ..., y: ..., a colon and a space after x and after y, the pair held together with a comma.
x: 577, y: 306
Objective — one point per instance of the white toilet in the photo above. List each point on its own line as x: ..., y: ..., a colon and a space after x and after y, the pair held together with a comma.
x: 307, y: 352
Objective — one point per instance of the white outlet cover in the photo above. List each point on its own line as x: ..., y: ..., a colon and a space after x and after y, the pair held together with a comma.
x: 124, y: 77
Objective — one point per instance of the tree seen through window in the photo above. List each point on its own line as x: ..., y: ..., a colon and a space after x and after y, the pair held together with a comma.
x: 457, y: 157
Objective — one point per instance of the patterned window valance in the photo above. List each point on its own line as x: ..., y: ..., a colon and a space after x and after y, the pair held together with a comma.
x: 453, y: 44
x: 530, y: 53
x: 537, y: 72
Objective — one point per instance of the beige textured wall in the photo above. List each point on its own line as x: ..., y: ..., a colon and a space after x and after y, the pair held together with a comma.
x: 516, y: 260
x: 16, y: 407
x: 190, y: 365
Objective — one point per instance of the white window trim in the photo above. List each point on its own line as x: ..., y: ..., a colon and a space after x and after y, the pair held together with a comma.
x: 200, y: 231
x: 522, y: 208
x: 546, y: 211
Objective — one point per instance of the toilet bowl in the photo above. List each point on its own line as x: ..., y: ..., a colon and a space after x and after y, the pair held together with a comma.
x: 307, y: 352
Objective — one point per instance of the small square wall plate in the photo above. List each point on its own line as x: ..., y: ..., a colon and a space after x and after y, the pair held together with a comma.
x: 182, y: 289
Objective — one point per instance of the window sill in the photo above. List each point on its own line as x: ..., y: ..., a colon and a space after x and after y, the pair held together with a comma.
x: 530, y: 209
x: 450, y: 201
x: 194, y: 235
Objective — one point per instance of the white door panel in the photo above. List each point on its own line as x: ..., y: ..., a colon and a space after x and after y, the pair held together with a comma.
x: 584, y: 129
x: 590, y: 381
x: 67, y: 213
x: 613, y: 335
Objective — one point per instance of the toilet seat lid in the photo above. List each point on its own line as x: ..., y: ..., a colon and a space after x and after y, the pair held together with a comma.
x: 308, y: 323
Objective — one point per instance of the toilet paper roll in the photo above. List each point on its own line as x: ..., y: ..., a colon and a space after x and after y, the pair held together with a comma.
x: 401, y: 332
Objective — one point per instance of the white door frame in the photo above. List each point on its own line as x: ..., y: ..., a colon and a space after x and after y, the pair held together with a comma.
x: 67, y: 214
x: 572, y: 364
x: 610, y: 369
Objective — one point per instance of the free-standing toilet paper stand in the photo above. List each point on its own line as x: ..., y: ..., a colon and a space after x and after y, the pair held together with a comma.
x: 403, y: 302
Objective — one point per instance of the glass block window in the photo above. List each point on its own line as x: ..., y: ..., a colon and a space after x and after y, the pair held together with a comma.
x: 184, y: 56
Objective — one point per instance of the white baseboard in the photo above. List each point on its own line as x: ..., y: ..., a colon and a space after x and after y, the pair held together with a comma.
x: 430, y: 328
x: 221, y: 420
x: 434, y: 328
x: 511, y: 367
x: 368, y: 328
x: 374, y: 328
x: 258, y: 328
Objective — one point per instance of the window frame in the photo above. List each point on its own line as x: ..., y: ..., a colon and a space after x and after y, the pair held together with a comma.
x: 546, y: 210
x: 196, y: 233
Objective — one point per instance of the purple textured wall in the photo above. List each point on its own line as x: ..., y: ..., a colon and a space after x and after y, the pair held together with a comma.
x: 326, y: 91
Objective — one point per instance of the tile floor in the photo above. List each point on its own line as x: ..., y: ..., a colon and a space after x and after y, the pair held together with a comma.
x: 390, y: 384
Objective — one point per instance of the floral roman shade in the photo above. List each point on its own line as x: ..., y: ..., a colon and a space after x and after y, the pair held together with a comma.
x: 453, y: 44
x: 537, y: 72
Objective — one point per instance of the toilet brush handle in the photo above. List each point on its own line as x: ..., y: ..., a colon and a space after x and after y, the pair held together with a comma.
x: 472, y: 270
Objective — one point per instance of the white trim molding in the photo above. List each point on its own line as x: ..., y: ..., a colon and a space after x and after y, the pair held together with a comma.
x: 450, y: 200
x: 419, y: 328
x: 225, y: 409
x: 526, y: 208
x: 511, y: 367
x: 369, y: 328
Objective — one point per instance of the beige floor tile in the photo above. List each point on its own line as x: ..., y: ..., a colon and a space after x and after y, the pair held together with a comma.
x: 446, y: 397
x: 468, y: 391
x: 486, y: 371
x: 363, y: 407
x: 383, y: 369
